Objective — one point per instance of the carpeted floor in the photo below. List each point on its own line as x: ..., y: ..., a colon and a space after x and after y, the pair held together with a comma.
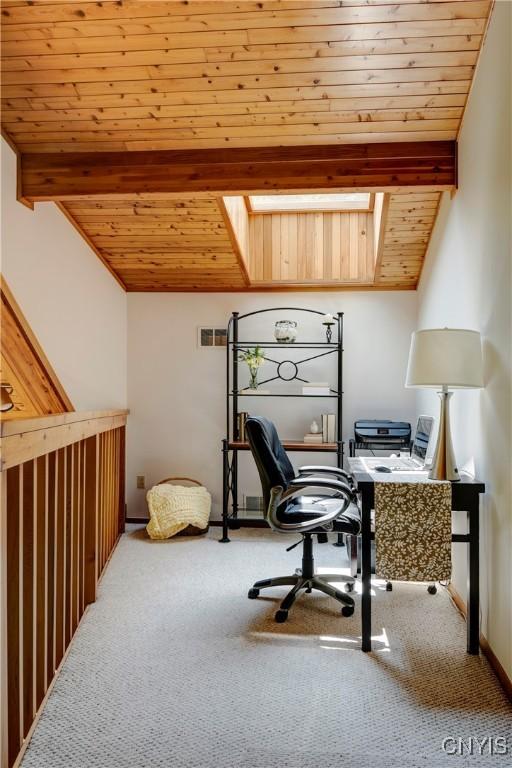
x: 173, y: 666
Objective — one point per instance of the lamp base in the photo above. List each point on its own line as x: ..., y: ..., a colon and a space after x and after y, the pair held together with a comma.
x: 444, y: 466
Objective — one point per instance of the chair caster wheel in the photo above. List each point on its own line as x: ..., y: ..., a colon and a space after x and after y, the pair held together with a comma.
x: 347, y: 610
x: 253, y: 593
x: 281, y: 615
x: 432, y: 589
x: 389, y: 586
x: 349, y: 586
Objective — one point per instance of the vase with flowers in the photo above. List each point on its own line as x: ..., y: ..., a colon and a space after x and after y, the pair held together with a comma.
x: 254, y: 358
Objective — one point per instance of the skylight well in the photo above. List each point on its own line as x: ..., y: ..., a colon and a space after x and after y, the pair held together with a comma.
x: 351, y: 201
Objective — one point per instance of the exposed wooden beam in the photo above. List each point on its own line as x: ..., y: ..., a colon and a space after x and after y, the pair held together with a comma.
x: 386, y: 166
x: 257, y: 287
x: 19, y: 195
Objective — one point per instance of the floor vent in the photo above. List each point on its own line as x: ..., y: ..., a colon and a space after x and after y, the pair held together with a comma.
x: 252, y: 507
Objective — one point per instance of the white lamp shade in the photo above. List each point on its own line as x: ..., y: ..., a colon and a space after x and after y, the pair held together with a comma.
x: 449, y: 357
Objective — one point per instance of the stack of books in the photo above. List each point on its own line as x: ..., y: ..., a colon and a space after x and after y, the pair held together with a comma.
x: 314, y: 437
x: 328, y: 428
x: 316, y: 388
x: 242, y: 417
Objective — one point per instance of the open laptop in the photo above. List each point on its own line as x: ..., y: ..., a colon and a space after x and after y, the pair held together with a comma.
x: 413, y: 463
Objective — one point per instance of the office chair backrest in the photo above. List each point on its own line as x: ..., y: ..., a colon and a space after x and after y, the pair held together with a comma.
x: 273, y: 464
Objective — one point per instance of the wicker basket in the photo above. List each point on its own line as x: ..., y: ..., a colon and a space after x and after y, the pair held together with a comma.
x: 190, y: 530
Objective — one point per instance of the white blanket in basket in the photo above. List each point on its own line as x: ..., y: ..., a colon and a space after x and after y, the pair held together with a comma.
x: 173, y: 507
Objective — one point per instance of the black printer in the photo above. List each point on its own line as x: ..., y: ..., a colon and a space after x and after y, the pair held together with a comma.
x: 380, y: 434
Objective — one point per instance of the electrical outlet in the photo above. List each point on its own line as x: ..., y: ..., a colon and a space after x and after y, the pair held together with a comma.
x: 141, y: 482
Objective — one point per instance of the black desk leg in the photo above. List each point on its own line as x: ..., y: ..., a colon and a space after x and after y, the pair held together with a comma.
x: 473, y: 617
x: 225, y: 491
x: 366, y: 572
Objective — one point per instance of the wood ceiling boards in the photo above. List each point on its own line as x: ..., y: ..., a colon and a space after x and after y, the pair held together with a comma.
x: 172, y: 75
x: 163, y: 244
x: 128, y: 76
x: 409, y: 220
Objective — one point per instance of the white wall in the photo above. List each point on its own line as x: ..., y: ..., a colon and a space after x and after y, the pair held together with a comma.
x: 72, y: 303
x: 466, y: 283
x: 177, y: 391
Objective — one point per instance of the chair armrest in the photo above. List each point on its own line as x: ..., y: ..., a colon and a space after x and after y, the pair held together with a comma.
x: 312, y: 470
x: 277, y: 497
x: 310, y: 481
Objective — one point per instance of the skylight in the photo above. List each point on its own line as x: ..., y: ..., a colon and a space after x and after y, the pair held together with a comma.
x: 351, y: 201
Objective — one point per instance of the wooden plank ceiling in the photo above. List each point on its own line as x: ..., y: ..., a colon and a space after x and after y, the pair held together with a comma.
x: 162, y: 244
x: 172, y: 75
x: 190, y: 244
x: 125, y: 75
x: 408, y: 224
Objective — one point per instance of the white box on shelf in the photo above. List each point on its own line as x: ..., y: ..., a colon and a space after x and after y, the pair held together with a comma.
x: 331, y: 428
x: 308, y: 389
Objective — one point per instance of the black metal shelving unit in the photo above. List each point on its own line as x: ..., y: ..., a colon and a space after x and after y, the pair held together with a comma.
x: 231, y: 444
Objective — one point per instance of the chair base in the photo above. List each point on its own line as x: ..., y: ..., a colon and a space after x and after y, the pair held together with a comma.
x: 300, y: 582
x: 306, y: 578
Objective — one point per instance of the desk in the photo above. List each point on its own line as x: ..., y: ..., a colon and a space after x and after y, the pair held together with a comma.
x: 465, y: 497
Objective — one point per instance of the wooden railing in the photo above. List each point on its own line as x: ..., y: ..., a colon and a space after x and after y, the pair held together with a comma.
x: 62, y: 510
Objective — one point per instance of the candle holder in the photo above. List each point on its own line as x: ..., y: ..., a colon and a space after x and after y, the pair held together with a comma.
x: 328, y: 322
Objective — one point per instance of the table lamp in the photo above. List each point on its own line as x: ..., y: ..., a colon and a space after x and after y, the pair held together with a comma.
x: 446, y: 358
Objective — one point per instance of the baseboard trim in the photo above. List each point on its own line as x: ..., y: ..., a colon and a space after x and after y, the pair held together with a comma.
x: 241, y: 522
x: 107, y: 561
x: 494, y: 662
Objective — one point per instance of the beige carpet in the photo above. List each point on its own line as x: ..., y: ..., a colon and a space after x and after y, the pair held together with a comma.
x: 173, y: 666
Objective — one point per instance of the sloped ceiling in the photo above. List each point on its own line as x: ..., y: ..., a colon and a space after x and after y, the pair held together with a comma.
x: 123, y: 75
x: 163, y: 75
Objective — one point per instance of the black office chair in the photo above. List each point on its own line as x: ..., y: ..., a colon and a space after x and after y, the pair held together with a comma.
x: 287, y: 511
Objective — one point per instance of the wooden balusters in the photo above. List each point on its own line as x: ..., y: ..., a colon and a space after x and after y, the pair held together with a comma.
x: 13, y: 584
x: 62, y: 514
x: 109, y: 495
